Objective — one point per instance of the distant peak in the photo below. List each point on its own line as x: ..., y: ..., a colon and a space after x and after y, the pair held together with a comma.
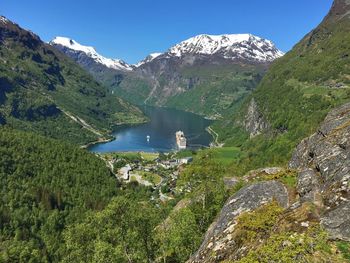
x: 90, y: 52
x: 149, y: 58
x: 339, y: 9
x: 154, y: 55
x: 232, y: 37
x: 72, y: 44
x: 228, y: 45
x: 3, y: 20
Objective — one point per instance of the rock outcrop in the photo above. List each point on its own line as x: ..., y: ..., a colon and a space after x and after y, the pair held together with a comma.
x: 325, y: 157
x: 219, y: 240
x: 322, y: 192
x: 337, y: 222
x: 255, y: 122
x: 308, y: 187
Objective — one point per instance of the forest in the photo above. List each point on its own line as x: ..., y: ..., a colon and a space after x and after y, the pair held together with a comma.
x: 59, y: 202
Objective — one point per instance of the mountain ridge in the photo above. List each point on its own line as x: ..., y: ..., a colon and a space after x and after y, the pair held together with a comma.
x: 297, y: 92
x: 176, y: 77
x: 91, y: 52
x: 229, y: 46
x: 204, y: 44
x: 44, y: 91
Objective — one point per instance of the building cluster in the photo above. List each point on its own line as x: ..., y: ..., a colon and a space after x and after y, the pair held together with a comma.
x: 125, y: 171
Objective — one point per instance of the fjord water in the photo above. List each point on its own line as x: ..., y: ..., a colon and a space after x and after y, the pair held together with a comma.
x: 161, y: 128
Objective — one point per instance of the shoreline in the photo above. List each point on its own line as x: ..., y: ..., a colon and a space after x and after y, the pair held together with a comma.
x: 99, y: 140
x: 112, y: 138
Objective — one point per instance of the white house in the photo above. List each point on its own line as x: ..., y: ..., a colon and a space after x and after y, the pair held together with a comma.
x: 124, y: 172
x: 186, y: 160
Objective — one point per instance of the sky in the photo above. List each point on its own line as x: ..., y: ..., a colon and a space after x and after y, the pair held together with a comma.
x: 132, y: 29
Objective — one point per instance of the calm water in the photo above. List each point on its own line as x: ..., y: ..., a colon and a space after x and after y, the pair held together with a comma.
x: 161, y: 129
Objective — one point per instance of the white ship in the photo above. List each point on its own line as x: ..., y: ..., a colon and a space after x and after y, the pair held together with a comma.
x: 181, y: 140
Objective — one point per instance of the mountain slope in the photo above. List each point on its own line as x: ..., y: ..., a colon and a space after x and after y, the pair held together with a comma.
x: 84, y: 53
x: 112, y: 73
x: 296, y: 94
x: 233, y: 46
x: 205, y: 74
x: 45, y: 185
x: 44, y: 91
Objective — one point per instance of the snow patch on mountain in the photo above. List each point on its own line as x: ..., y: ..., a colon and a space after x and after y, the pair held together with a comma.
x: 149, y: 58
x: 3, y: 19
x: 91, y: 52
x: 230, y: 46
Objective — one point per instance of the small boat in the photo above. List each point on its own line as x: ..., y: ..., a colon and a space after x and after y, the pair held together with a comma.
x: 148, y: 138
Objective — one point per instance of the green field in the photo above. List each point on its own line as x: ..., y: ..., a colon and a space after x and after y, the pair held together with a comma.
x: 151, y: 177
x: 223, y: 156
x: 226, y: 155
x: 149, y: 156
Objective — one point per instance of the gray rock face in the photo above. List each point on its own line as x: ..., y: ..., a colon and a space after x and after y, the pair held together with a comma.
x: 328, y: 152
x: 255, y: 122
x: 308, y: 187
x: 337, y: 222
x: 219, y: 241
x: 339, y: 10
x: 323, y: 161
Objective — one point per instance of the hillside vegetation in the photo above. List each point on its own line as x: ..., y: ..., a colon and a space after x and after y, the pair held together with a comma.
x: 219, y: 89
x: 294, y: 96
x: 45, y: 184
x: 45, y: 92
x: 62, y: 203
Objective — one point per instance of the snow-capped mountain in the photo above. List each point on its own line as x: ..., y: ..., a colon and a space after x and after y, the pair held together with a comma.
x: 3, y: 19
x: 228, y: 46
x: 149, y: 58
x: 195, y: 62
x: 74, y: 47
x: 232, y: 46
x: 181, y: 67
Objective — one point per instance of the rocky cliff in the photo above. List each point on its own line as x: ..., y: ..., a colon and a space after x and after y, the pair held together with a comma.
x: 254, y: 122
x: 220, y: 242
x: 324, y: 163
x: 319, y: 199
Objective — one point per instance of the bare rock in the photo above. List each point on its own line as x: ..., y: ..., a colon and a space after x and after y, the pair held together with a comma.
x: 255, y: 122
x: 328, y: 152
x: 337, y: 222
x: 308, y: 187
x: 218, y: 241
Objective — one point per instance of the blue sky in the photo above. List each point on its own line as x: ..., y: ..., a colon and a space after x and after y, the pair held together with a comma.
x: 131, y: 29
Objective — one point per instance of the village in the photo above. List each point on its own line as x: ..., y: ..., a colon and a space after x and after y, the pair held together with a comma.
x: 157, y: 170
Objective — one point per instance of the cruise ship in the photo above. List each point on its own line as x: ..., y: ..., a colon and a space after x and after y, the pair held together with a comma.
x: 181, y: 140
